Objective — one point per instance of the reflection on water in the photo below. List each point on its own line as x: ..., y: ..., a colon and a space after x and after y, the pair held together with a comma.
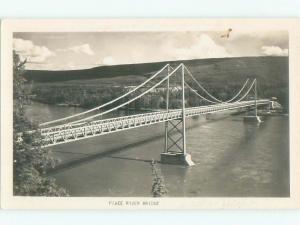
x: 232, y: 159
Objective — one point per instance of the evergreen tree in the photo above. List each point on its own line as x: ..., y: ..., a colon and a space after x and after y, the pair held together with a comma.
x: 158, y: 188
x: 30, y: 161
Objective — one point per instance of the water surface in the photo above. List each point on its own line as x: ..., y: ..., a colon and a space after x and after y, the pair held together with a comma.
x: 233, y: 158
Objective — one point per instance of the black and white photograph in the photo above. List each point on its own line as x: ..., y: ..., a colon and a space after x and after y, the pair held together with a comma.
x: 151, y: 114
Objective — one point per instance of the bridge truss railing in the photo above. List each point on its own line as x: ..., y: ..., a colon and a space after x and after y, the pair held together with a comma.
x: 181, y: 67
x: 88, y: 127
x: 65, y: 119
x: 98, y: 128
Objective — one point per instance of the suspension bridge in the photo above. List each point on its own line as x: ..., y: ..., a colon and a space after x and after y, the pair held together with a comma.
x: 90, y: 123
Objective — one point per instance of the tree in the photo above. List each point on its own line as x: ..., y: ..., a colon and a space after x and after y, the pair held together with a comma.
x: 158, y: 188
x: 30, y: 161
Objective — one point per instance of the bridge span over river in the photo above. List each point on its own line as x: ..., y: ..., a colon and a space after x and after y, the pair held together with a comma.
x: 89, y: 124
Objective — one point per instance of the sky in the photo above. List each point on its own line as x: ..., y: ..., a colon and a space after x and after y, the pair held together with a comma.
x: 69, y: 51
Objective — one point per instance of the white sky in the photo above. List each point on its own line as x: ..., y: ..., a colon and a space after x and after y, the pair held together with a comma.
x: 64, y: 51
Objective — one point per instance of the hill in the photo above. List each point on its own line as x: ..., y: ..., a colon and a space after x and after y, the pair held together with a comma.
x: 221, y: 76
x: 214, y: 70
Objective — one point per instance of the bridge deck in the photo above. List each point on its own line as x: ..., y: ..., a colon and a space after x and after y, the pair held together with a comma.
x: 72, y: 132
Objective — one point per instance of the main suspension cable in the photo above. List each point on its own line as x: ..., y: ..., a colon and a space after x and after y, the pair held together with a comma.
x: 107, y: 103
x: 194, y: 79
x: 228, y: 101
x: 195, y: 92
x: 250, y: 88
x: 126, y: 103
x: 238, y: 92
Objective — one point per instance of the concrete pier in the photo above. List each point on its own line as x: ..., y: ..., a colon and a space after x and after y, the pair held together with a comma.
x: 177, y: 158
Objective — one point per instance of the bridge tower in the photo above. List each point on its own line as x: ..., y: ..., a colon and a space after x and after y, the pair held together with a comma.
x: 175, y: 131
x: 255, y: 117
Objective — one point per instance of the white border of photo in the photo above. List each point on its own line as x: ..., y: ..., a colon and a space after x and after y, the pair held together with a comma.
x: 9, y: 201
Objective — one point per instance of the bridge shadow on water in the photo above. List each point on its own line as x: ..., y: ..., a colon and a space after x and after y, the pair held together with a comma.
x: 92, y: 157
x: 108, y: 154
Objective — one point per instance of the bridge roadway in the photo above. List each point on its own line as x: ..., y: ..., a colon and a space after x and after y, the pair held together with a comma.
x: 72, y: 132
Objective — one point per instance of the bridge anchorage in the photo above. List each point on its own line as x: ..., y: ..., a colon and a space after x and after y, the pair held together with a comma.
x: 85, y: 125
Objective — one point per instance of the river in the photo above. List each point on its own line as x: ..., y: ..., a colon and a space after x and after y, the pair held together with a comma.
x: 233, y: 158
